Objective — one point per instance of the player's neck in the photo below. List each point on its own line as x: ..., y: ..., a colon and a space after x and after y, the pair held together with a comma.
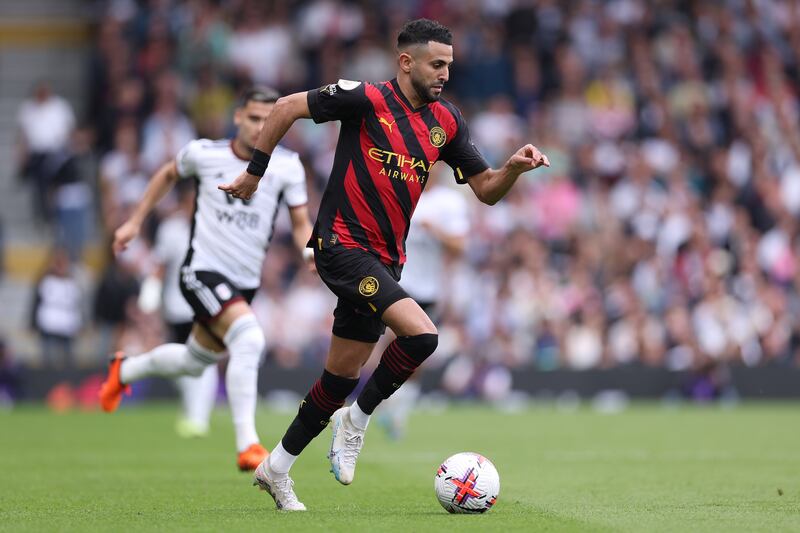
x: 241, y: 150
x: 409, y: 92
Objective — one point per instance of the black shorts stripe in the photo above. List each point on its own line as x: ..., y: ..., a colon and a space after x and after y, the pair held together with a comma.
x: 201, y: 292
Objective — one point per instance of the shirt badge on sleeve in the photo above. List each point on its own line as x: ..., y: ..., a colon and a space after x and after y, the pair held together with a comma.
x: 330, y: 90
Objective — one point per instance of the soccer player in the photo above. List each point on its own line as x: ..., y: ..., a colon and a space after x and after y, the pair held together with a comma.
x: 222, y: 268
x: 391, y: 133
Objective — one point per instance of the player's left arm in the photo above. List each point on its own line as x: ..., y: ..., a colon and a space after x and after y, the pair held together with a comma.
x: 491, y: 185
x: 158, y: 186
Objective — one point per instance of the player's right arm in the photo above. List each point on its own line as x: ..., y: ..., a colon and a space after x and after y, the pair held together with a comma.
x: 160, y: 184
x: 283, y: 114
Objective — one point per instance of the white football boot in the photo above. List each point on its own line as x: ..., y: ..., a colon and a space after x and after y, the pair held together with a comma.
x: 345, y: 446
x: 279, y: 486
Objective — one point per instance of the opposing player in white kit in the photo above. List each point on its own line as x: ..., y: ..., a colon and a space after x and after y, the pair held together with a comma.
x: 222, y: 268
x: 439, y: 228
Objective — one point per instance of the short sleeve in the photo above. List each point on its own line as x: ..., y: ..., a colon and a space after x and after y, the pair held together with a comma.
x: 186, y: 160
x: 343, y: 100
x: 294, y: 192
x: 461, y: 153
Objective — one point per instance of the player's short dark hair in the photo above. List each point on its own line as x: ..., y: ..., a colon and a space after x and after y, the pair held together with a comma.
x: 421, y: 31
x: 265, y: 95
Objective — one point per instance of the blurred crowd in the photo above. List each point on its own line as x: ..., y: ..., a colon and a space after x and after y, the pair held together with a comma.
x: 664, y: 234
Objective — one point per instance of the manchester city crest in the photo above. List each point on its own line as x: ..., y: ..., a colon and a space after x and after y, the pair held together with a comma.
x: 368, y: 286
x: 437, y: 136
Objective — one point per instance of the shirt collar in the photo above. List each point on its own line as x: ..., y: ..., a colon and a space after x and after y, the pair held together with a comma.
x: 402, y: 97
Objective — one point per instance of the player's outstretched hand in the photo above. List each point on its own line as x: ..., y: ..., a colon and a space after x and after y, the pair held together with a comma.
x: 124, y: 234
x: 527, y: 158
x: 242, y: 187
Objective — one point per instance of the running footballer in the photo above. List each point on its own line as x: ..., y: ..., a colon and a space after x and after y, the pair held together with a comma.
x: 391, y: 134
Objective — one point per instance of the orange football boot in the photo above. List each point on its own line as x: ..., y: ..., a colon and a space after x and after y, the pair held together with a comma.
x: 253, y: 456
x: 112, y: 389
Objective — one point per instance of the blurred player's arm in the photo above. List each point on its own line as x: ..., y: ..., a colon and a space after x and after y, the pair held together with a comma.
x: 492, y: 185
x: 301, y: 232
x: 452, y: 243
x: 160, y: 184
x: 301, y: 226
x: 283, y: 114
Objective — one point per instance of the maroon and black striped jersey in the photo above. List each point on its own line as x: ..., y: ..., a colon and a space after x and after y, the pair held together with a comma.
x: 383, y: 157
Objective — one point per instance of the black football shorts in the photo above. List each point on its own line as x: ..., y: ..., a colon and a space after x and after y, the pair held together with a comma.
x: 365, y: 288
x: 209, y: 293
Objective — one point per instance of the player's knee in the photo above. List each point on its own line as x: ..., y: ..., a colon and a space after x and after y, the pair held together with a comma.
x: 429, y: 342
x: 199, y: 357
x: 419, y: 346
x: 245, y: 341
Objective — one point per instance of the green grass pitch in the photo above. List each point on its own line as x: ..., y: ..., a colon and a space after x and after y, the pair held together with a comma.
x: 645, y: 469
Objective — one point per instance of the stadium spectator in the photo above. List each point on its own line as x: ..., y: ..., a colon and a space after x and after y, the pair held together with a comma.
x: 74, y: 182
x: 122, y: 177
x: 167, y: 128
x: 56, y: 313
x: 45, y: 122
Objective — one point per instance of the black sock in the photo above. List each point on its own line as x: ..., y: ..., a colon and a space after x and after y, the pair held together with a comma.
x: 398, y: 362
x: 326, y: 396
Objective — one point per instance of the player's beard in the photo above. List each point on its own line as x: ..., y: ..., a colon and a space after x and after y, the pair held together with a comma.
x: 424, y: 91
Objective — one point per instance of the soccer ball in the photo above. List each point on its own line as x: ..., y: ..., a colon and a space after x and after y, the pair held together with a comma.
x: 467, y: 483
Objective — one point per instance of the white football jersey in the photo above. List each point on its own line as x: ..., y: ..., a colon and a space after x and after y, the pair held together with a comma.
x: 448, y: 211
x: 229, y: 235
